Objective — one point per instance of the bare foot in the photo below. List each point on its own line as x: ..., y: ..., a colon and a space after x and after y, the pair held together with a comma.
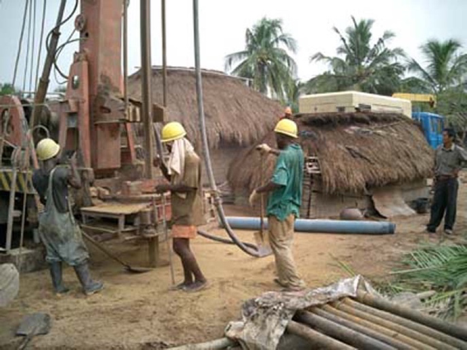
x: 196, y: 286
x: 181, y: 286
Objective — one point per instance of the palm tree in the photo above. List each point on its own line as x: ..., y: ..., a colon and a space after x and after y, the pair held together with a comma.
x: 446, y: 66
x: 360, y: 64
x: 265, y: 59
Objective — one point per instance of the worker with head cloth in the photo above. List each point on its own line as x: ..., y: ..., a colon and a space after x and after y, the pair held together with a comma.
x: 58, y: 229
x: 183, y: 170
x: 285, y: 197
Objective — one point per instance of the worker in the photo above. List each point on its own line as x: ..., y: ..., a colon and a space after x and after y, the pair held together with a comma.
x: 287, y: 113
x: 285, y: 197
x: 58, y: 229
x: 183, y: 171
x: 449, y: 159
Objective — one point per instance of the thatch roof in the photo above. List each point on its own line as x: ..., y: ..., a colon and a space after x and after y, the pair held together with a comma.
x: 356, y: 151
x: 235, y: 113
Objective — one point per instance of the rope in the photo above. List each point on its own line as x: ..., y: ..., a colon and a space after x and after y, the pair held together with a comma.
x: 41, y: 40
x: 27, y: 47
x: 20, y: 44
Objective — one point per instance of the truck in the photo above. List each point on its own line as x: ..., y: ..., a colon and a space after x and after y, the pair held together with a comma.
x: 352, y: 101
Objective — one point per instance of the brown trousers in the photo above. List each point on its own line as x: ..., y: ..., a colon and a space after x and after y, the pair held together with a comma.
x: 281, y: 240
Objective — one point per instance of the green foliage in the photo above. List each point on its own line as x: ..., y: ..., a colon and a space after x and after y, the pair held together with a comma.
x: 7, y: 89
x: 439, y: 268
x: 266, y: 60
x: 446, y: 65
x: 360, y: 64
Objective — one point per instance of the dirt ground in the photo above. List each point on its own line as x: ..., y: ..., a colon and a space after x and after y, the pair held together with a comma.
x: 137, y: 311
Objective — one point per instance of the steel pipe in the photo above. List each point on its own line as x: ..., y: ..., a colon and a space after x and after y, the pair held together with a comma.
x: 41, y: 92
x: 360, y: 328
x: 430, y: 332
x: 315, y: 338
x: 347, y: 335
x: 319, y: 226
x: 146, y: 88
x: 442, y: 326
x: 423, y: 338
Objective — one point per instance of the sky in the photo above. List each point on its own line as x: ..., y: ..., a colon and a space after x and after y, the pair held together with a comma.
x: 223, y: 24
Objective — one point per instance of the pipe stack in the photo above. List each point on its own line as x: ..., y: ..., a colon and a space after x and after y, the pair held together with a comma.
x: 370, y: 322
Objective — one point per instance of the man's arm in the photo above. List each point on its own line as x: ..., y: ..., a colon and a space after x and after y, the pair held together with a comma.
x: 462, y: 155
x: 264, y: 148
x: 158, y: 163
x: 74, y: 179
x: 180, y: 188
x: 269, y: 187
x: 462, y: 159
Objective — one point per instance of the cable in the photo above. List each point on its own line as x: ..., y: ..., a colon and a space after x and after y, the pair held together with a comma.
x: 20, y: 44
x: 40, y: 43
x: 207, y: 235
x: 27, y: 48
x: 59, y: 51
x: 47, y: 40
x: 202, y: 126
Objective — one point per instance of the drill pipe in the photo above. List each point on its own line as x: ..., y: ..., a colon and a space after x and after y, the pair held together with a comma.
x: 442, y: 326
x: 316, y: 338
x: 359, y: 328
x: 430, y: 332
x: 393, y: 326
x: 347, y: 335
x: 415, y: 344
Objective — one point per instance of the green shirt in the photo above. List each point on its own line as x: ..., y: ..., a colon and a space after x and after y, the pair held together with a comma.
x: 288, y: 173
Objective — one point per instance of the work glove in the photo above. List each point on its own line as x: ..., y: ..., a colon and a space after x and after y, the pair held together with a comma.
x: 253, y: 197
x: 263, y: 148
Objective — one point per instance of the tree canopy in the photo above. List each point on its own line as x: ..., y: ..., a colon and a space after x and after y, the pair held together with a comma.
x: 266, y: 59
x: 360, y: 64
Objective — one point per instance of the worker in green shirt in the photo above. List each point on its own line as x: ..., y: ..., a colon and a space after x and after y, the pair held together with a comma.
x: 285, y: 197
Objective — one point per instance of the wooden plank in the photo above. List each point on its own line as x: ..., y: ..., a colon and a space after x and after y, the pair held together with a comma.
x: 116, y: 208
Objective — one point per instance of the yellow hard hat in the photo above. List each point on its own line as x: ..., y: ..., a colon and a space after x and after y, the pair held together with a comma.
x: 172, y: 131
x: 46, y: 149
x: 286, y: 127
x: 288, y: 110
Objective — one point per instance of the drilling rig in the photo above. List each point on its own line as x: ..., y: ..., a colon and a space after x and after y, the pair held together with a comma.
x: 96, y: 120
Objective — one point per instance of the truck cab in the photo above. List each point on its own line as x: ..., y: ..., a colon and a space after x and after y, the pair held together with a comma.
x: 432, y: 125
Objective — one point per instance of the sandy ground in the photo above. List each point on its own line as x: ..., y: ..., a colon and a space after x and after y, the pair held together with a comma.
x: 137, y: 311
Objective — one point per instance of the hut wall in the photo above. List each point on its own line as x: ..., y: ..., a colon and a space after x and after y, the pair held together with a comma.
x: 220, y: 160
x: 322, y: 205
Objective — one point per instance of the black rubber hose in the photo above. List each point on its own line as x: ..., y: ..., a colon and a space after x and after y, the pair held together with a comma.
x: 202, y: 126
x: 223, y: 240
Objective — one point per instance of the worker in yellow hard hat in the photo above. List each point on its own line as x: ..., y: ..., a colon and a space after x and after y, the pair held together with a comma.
x: 284, y: 200
x: 287, y: 113
x: 183, y: 171
x: 58, y: 229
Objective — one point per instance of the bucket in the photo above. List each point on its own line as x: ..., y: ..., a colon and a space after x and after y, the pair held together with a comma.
x: 421, y: 205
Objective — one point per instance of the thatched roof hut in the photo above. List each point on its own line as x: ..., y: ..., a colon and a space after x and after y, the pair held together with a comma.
x: 235, y: 113
x: 356, y: 152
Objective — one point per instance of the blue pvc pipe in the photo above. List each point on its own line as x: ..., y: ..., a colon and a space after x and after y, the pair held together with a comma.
x: 320, y: 226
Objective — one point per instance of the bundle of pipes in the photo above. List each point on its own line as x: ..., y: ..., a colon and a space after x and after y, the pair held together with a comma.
x: 369, y: 322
